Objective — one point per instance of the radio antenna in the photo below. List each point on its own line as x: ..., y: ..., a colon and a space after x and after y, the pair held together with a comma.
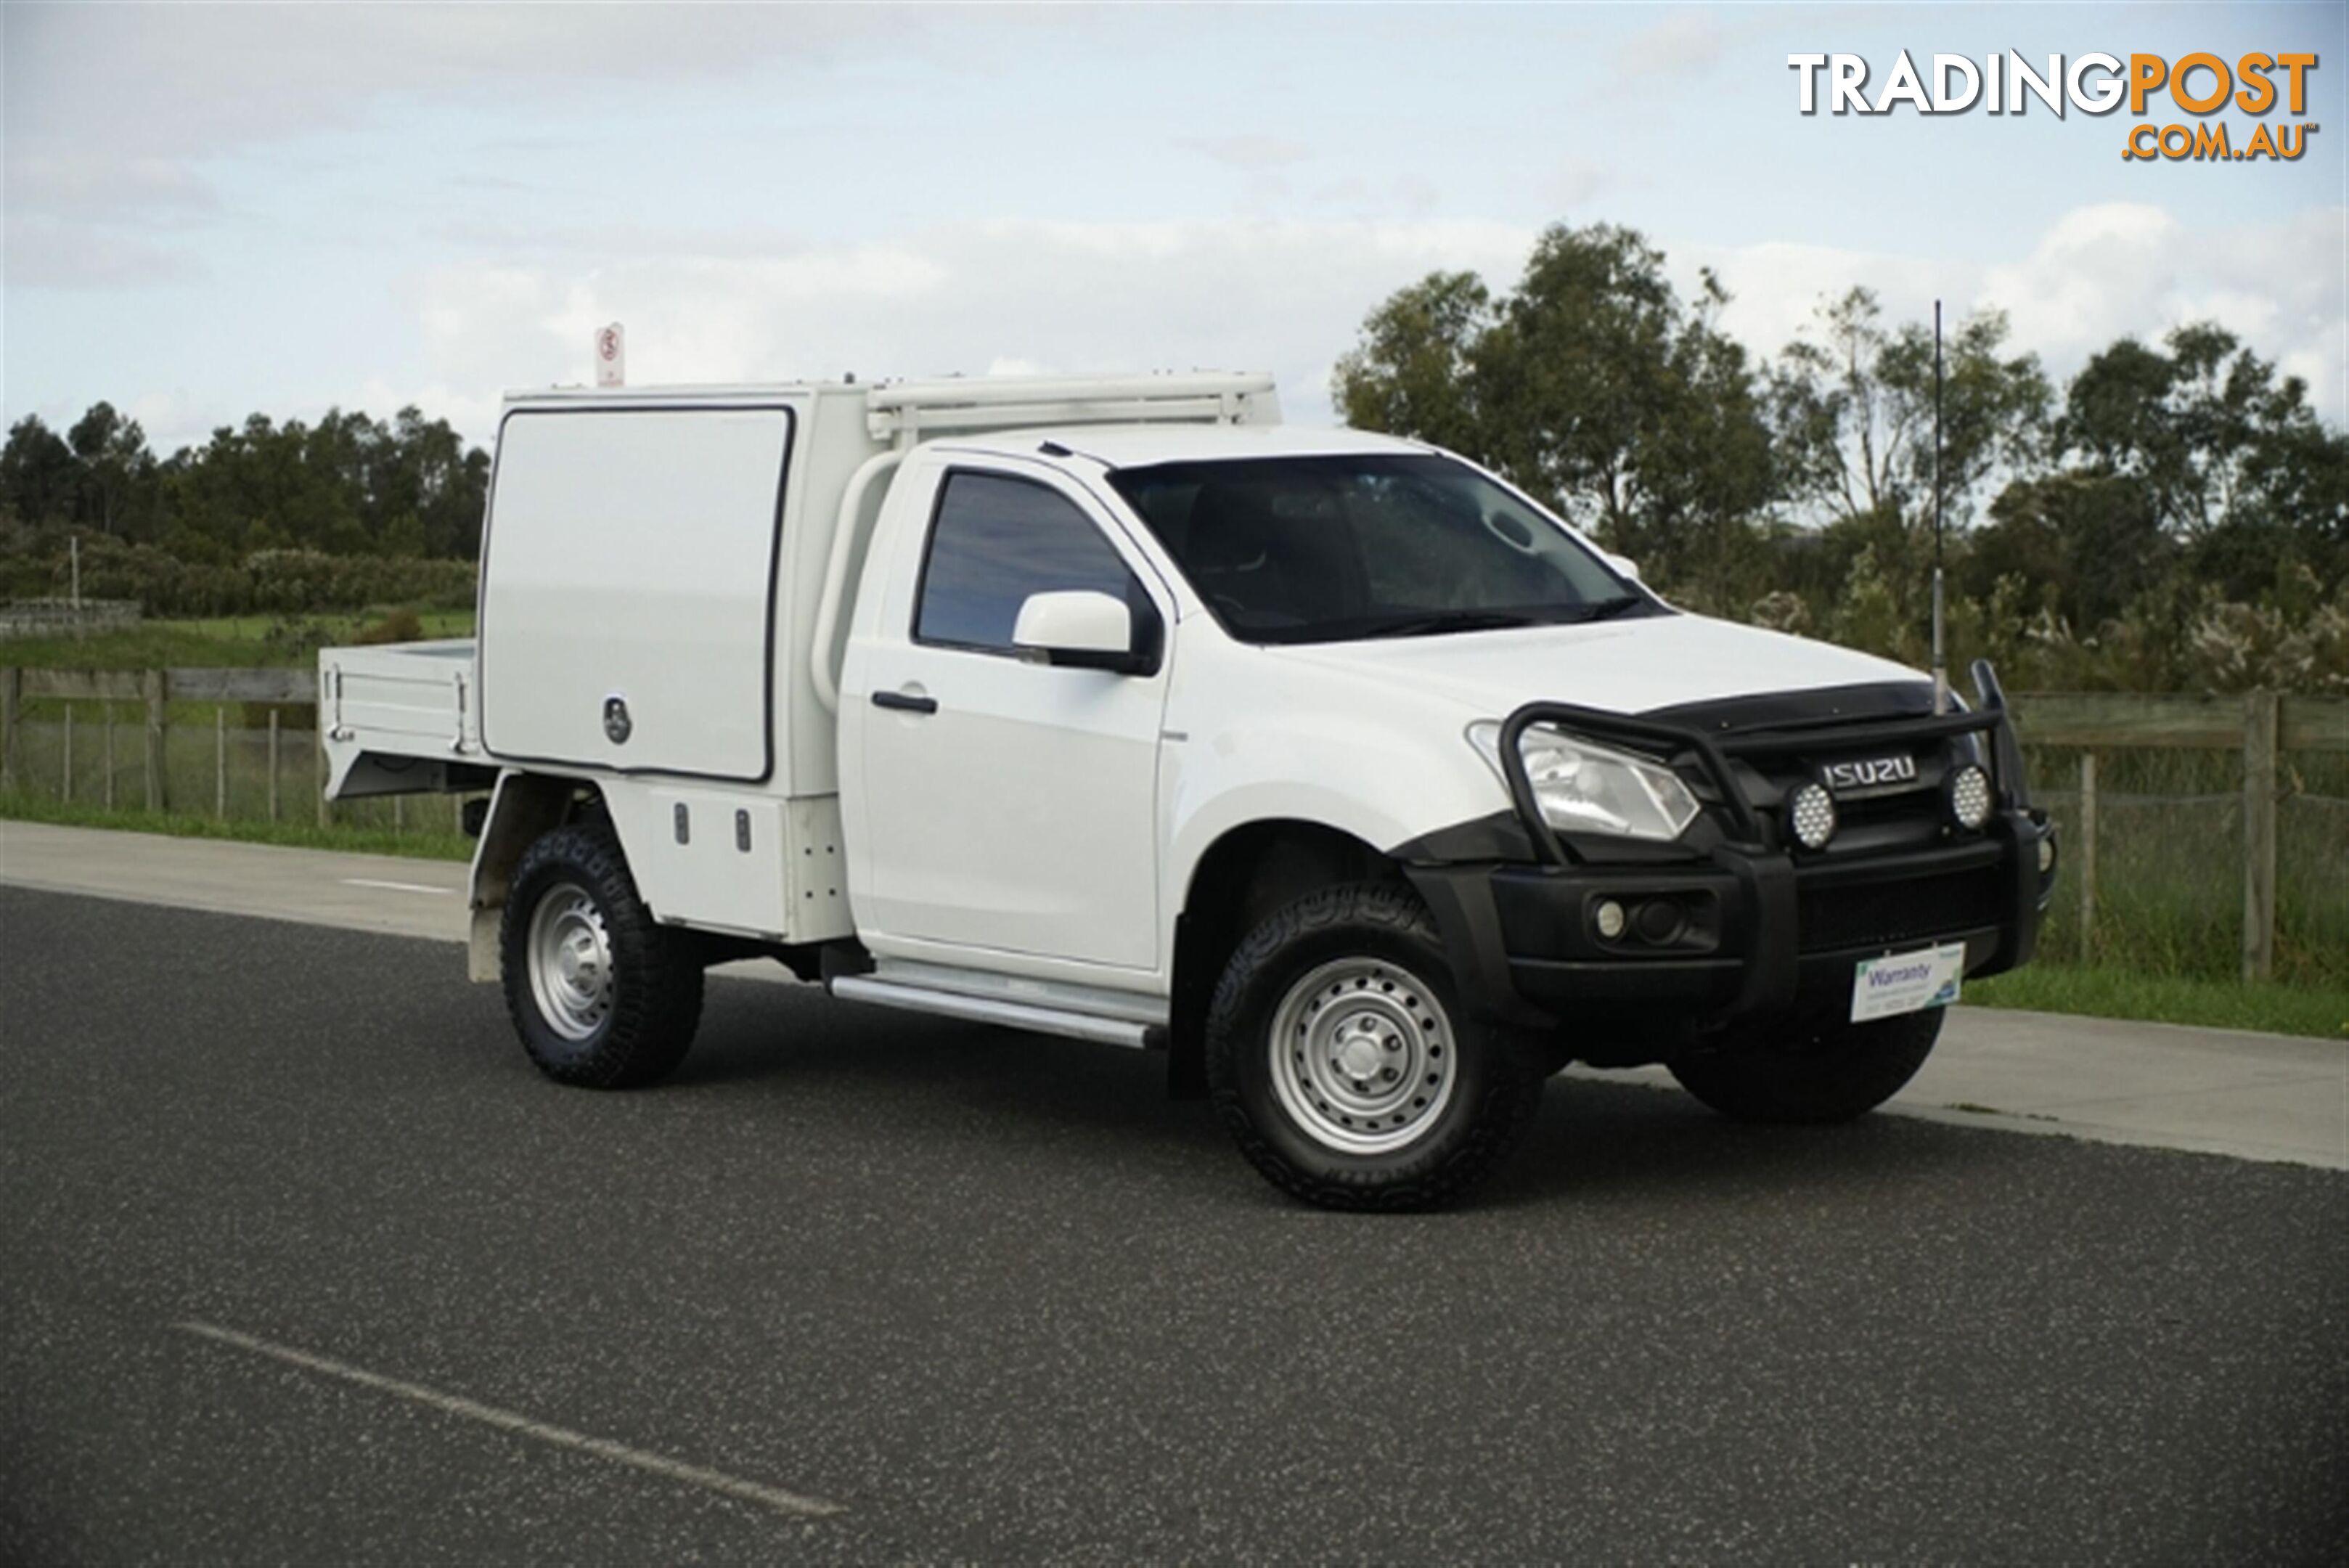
x: 1940, y: 651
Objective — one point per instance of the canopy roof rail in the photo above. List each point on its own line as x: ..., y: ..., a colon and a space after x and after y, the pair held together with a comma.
x: 908, y: 411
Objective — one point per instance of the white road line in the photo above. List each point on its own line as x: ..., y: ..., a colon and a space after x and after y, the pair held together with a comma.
x: 395, y: 887
x: 775, y: 1498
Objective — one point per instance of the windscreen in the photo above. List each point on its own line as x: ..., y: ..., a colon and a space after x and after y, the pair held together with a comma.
x: 1330, y: 549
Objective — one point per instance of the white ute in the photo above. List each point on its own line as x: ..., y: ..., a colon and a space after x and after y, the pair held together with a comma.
x: 1328, y: 763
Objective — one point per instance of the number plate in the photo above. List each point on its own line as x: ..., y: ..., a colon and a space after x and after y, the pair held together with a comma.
x: 1907, y: 982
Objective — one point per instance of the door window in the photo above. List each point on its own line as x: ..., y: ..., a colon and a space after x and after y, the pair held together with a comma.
x: 997, y: 540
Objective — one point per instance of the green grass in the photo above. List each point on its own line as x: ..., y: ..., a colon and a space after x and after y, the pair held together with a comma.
x: 2321, y: 1012
x: 419, y: 844
x: 227, y: 643
x: 2170, y: 863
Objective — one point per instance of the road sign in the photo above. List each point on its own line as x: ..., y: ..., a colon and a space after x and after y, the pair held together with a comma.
x: 611, y: 356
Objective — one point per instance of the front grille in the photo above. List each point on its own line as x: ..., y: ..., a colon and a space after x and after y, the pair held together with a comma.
x: 1910, y: 819
x: 1879, y: 914
x: 1871, y: 819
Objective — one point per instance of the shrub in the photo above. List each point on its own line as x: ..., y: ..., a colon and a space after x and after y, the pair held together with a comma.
x: 33, y: 564
x: 400, y: 626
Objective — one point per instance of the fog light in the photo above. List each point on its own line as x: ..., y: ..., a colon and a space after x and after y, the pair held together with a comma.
x: 1969, y: 796
x: 1811, y: 814
x: 2047, y: 852
x: 1608, y: 917
x: 1659, y: 921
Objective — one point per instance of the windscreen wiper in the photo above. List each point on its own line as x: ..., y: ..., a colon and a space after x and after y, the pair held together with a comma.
x: 1450, y: 620
x: 1609, y: 608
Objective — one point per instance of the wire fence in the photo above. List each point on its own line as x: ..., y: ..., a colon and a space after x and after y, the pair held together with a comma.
x: 213, y: 765
x: 2168, y: 892
x: 2201, y: 835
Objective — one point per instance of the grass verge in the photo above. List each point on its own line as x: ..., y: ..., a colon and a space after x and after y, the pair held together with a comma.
x: 2321, y: 1012
x: 419, y: 845
x: 222, y: 642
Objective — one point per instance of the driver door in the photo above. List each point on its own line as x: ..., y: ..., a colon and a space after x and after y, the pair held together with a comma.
x: 1009, y: 805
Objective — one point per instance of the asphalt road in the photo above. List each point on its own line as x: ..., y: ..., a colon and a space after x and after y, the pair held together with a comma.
x: 995, y: 1297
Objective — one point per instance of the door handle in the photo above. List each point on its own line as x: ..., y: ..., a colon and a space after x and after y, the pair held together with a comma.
x: 905, y: 702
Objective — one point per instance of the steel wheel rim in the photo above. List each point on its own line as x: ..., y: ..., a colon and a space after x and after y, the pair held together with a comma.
x: 570, y: 963
x: 1362, y: 1056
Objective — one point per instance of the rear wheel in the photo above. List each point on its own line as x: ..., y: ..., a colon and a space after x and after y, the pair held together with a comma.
x: 1344, y: 1066
x: 602, y: 995
x: 1814, y: 1071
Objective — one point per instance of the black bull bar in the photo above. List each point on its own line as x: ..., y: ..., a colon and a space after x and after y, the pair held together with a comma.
x: 1682, y: 746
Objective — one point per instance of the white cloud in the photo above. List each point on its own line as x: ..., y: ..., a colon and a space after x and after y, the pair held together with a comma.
x: 111, y: 111
x: 1683, y: 43
x: 997, y: 298
x: 2099, y: 272
x: 171, y: 81
x: 82, y: 219
x: 1251, y: 153
x: 81, y: 181
x: 1574, y: 181
x: 45, y: 251
x: 1289, y: 296
x: 1019, y: 297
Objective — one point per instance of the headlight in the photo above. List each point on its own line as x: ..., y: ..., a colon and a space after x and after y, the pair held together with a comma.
x: 1585, y: 788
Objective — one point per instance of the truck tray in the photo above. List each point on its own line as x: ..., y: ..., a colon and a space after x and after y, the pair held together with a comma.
x: 384, y: 710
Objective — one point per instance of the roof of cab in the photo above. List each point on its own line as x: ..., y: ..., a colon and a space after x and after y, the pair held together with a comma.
x: 1134, y: 446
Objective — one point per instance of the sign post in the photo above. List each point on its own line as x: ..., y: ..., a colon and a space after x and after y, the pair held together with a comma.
x: 611, y: 356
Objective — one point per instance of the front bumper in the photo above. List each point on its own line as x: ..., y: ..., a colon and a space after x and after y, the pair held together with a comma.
x: 1753, y: 933
x: 1738, y: 924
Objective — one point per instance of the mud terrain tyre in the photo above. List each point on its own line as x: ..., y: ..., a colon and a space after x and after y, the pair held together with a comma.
x: 602, y: 995
x: 1345, y: 1066
x: 1811, y: 1071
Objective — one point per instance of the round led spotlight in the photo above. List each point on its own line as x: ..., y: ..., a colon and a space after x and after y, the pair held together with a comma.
x: 1608, y: 917
x: 1811, y: 814
x: 1969, y: 796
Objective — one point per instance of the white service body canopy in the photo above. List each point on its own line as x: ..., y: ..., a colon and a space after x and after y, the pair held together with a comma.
x: 631, y: 555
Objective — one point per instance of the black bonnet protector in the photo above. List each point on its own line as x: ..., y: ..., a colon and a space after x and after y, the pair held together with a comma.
x: 1801, y: 709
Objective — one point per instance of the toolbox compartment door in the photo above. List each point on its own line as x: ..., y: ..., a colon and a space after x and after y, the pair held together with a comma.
x: 628, y: 588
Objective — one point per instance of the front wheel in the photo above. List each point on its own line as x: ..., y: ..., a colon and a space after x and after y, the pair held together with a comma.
x: 1811, y: 1071
x: 602, y: 995
x: 1344, y: 1066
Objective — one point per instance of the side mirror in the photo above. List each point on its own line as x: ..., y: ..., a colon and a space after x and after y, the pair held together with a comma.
x: 1081, y: 628
x: 1625, y: 566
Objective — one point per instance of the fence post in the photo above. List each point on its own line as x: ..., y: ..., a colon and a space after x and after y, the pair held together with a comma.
x: 65, y: 783
x: 2087, y: 872
x: 151, y: 682
x: 12, y: 703
x: 220, y: 761
x: 273, y: 764
x: 110, y: 756
x: 318, y: 751
x: 2260, y: 719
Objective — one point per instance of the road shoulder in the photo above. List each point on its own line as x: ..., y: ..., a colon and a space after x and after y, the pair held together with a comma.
x: 2215, y: 1091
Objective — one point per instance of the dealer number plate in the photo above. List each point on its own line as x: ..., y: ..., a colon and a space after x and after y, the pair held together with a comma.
x: 1907, y: 982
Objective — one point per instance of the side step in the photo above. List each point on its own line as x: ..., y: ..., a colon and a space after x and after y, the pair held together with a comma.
x: 1042, y: 1019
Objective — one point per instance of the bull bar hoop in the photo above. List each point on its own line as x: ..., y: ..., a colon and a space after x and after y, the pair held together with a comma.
x: 1682, y: 747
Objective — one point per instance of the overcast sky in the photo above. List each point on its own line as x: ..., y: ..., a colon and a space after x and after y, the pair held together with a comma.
x: 215, y: 209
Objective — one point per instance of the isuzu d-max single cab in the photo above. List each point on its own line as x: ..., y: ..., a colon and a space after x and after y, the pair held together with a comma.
x: 1329, y: 764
